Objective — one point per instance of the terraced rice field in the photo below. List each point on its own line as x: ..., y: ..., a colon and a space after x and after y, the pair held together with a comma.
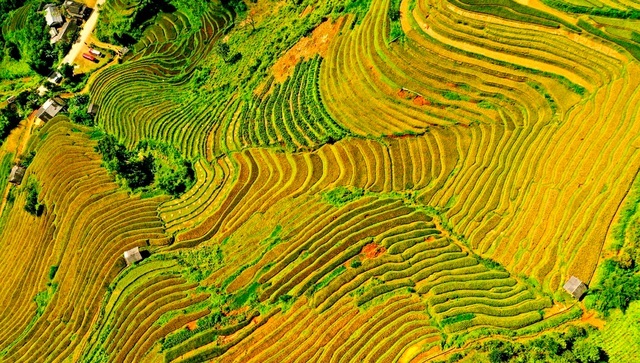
x: 427, y: 183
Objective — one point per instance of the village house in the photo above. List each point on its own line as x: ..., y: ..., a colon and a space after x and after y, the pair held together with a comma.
x: 50, y: 109
x: 55, y: 78
x: 16, y: 175
x: 53, y: 16
x: 76, y: 10
x: 132, y: 256
x: 575, y: 287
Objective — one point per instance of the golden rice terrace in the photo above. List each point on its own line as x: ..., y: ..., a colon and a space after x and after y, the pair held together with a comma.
x: 323, y: 181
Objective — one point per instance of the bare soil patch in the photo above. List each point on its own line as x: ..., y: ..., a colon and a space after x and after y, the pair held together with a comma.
x: 192, y: 325
x: 306, y: 48
x: 373, y: 250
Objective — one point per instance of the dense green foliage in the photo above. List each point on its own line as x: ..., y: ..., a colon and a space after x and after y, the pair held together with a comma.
x: 619, y: 277
x: 396, y: 32
x: 9, y: 118
x: 136, y: 171
x: 150, y: 162
x: 25, y: 160
x: 33, y: 205
x: 342, y: 195
x: 30, y: 43
x: 619, y: 286
x: 567, y: 347
x: 173, y: 174
x: 77, y: 108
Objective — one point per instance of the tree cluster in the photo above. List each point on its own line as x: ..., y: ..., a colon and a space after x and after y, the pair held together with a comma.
x: 77, y: 107
x: 32, y: 204
x: 150, y: 164
x: 9, y: 118
x: 135, y: 170
x: 571, y: 346
x: 619, y: 282
x: 31, y: 43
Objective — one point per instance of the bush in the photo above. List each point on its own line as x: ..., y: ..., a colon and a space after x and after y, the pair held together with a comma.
x: 135, y: 170
x: 25, y: 160
x: 342, y: 195
x: 571, y: 346
x: 618, y: 288
x: 32, y: 205
x: 9, y: 119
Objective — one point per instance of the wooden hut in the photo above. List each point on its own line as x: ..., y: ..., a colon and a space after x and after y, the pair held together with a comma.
x: 92, y: 109
x: 575, y: 287
x: 132, y: 256
x: 16, y: 175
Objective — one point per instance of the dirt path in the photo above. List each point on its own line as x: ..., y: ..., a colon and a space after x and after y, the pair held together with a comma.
x: 87, y: 29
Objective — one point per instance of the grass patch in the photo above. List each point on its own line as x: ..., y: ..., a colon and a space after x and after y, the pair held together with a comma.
x: 457, y: 319
x: 342, y: 195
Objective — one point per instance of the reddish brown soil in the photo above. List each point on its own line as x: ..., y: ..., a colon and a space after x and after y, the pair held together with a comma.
x: 421, y: 101
x: 192, y: 325
x: 416, y: 99
x: 307, y: 48
x: 404, y: 94
x: 373, y: 250
x: 590, y: 317
x: 237, y: 311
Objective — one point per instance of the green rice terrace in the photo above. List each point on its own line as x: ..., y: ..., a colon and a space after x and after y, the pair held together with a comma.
x: 320, y: 181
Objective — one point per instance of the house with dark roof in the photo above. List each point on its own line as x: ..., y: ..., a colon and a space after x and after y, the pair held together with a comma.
x: 50, y: 109
x: 76, y: 10
x: 575, y: 287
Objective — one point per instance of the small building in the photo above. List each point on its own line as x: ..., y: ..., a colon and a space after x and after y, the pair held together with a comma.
x: 575, y: 287
x: 53, y: 16
x: 92, y: 109
x: 50, y: 109
x: 75, y: 9
x: 133, y: 255
x: 55, y: 78
x: 53, y: 32
x: 16, y: 175
x: 63, y: 33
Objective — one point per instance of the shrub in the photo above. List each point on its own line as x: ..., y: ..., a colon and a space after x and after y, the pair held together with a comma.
x: 342, y: 195
x: 32, y: 205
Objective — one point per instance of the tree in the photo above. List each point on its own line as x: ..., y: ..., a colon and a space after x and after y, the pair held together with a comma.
x: 32, y: 206
x: 67, y: 70
x: 222, y: 49
x: 586, y: 352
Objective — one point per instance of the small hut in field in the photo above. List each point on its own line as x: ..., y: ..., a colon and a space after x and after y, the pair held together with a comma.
x: 575, y: 287
x: 92, y: 109
x: 16, y: 175
x: 133, y: 255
